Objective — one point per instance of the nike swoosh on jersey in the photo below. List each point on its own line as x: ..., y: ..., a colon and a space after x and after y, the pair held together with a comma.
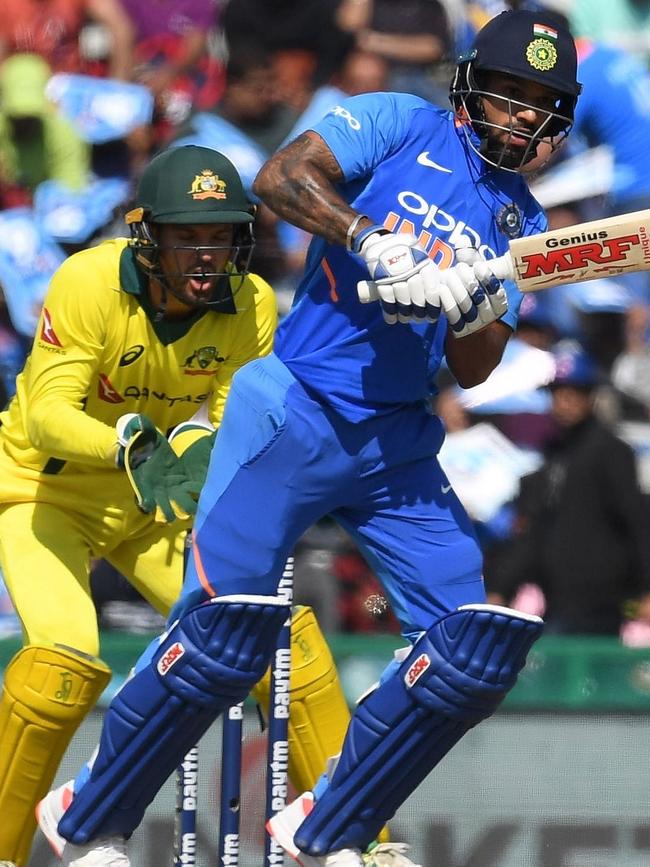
x: 424, y: 160
x: 445, y: 488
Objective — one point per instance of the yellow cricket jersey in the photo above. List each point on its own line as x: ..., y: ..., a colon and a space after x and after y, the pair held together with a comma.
x: 99, y: 353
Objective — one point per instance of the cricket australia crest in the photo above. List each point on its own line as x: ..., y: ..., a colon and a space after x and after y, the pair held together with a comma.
x: 207, y: 185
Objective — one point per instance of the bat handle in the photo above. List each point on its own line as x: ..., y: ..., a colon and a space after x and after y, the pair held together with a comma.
x: 502, y: 267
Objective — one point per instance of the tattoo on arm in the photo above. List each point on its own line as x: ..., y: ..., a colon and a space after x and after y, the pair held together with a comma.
x: 297, y: 184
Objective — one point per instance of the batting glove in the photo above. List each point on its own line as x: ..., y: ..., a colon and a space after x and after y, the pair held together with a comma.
x: 404, y: 278
x: 472, y: 296
x: 158, y: 479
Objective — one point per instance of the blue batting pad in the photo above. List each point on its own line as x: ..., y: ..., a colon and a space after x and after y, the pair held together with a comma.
x: 455, y: 676
x: 210, y: 659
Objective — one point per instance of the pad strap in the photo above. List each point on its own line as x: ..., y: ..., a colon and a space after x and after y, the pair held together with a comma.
x: 208, y: 661
x: 456, y: 675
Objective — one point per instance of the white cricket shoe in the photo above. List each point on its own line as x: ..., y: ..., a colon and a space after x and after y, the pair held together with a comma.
x: 49, y: 812
x: 388, y: 855
x: 102, y: 852
x: 284, y: 825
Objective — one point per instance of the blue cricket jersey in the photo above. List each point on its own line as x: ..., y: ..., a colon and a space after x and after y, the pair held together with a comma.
x: 408, y: 166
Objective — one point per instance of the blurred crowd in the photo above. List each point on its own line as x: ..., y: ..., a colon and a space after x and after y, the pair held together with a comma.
x: 551, y: 456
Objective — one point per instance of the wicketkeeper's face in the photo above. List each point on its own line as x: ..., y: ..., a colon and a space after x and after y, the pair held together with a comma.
x: 193, y: 257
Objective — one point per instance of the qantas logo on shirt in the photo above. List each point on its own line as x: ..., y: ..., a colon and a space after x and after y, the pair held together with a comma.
x: 141, y: 394
x: 106, y: 391
x: 48, y: 334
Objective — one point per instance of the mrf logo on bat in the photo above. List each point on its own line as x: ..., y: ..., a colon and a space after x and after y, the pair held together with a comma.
x: 575, y: 255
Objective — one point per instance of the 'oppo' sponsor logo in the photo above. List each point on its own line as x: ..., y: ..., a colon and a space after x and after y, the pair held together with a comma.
x: 457, y: 231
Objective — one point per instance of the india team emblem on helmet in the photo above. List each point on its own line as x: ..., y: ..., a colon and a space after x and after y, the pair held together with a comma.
x: 541, y: 54
x: 207, y: 185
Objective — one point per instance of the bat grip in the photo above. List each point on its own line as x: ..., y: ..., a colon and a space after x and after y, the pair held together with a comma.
x: 502, y: 267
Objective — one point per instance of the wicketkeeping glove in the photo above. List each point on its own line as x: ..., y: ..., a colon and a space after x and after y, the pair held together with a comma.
x: 404, y: 278
x: 158, y: 479
x: 194, y: 461
x: 472, y: 296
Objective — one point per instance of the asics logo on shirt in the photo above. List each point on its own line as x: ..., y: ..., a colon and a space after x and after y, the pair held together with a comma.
x: 424, y: 160
x: 132, y: 354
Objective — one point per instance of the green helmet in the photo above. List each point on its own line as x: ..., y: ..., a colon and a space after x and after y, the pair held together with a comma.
x: 191, y: 185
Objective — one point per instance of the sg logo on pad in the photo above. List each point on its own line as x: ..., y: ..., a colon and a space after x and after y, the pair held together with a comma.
x: 416, y: 670
x: 170, y: 657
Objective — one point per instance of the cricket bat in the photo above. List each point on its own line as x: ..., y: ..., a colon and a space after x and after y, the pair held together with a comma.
x: 574, y: 254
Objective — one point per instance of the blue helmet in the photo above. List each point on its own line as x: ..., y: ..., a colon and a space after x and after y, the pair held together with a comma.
x: 529, y: 45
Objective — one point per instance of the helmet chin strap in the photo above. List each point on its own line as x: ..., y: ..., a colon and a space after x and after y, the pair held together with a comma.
x: 161, y: 306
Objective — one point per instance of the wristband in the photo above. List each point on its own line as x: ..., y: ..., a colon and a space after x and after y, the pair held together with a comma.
x: 364, y: 234
x: 349, y: 243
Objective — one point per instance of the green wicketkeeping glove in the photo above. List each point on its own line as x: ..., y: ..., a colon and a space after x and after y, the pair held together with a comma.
x: 195, y: 460
x: 158, y: 480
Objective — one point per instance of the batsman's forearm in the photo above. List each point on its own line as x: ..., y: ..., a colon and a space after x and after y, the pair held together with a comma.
x: 302, y: 192
x: 473, y: 358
